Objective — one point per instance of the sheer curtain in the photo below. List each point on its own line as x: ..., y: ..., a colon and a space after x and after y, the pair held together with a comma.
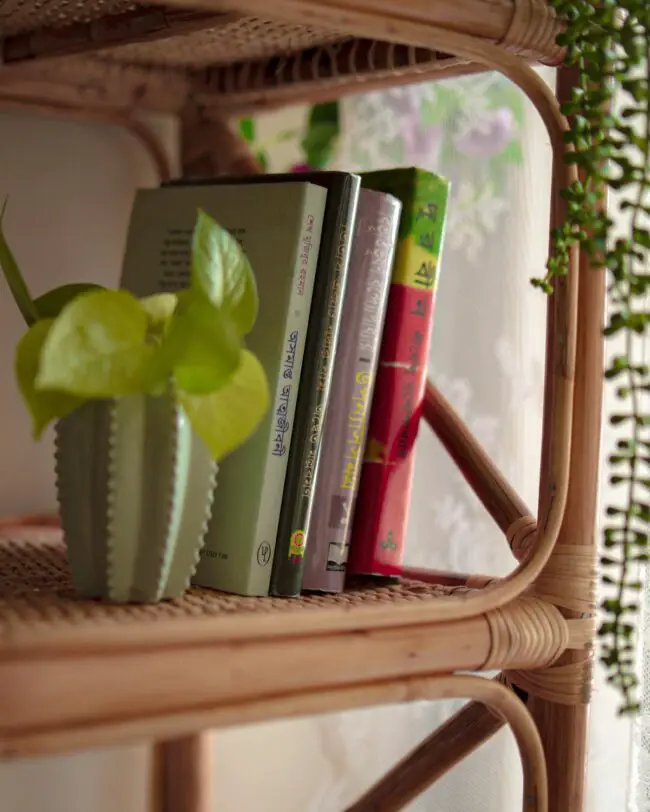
x: 487, y: 357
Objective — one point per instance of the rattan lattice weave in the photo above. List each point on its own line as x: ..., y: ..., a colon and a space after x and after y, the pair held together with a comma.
x: 35, y: 589
x: 245, y: 37
x: 18, y: 16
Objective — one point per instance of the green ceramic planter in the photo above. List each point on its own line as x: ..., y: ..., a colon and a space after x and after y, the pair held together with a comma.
x: 135, y: 488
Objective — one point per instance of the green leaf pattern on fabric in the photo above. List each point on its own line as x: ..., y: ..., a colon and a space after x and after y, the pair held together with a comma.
x: 467, y: 129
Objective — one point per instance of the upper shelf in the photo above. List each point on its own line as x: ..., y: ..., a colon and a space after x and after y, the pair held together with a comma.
x: 222, y: 56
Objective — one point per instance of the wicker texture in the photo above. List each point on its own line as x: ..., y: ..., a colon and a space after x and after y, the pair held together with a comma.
x: 35, y: 589
x: 330, y: 70
x: 530, y: 626
x: 244, y: 38
x: 305, y: 54
x: 18, y: 16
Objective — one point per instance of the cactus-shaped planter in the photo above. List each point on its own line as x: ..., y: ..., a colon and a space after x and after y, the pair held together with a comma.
x: 135, y: 488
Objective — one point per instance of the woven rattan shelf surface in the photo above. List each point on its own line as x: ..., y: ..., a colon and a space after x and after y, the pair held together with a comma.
x: 38, y: 605
x: 77, y: 673
x: 122, y: 54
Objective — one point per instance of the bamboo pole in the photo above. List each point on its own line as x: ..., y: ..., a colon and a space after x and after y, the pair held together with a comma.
x: 453, y: 741
x: 499, y: 498
x: 563, y: 728
x: 528, y: 26
x: 181, y: 776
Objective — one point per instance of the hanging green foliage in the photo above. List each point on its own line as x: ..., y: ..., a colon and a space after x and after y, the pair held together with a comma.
x: 608, y: 42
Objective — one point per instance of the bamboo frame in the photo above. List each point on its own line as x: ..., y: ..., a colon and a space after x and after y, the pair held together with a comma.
x: 116, y: 54
x: 563, y: 726
x: 541, y: 647
x: 181, y: 776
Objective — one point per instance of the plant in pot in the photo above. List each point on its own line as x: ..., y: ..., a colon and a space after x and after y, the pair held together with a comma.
x: 147, y: 394
x: 608, y: 45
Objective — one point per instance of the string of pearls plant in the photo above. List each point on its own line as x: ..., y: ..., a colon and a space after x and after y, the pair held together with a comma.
x: 608, y: 42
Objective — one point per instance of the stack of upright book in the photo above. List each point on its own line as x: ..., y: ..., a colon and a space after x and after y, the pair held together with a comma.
x: 346, y: 268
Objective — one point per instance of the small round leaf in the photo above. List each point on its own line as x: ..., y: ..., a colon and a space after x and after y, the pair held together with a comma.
x: 226, y: 418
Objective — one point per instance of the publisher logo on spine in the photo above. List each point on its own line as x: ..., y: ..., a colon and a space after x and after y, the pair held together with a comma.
x: 297, y: 545
x: 264, y: 554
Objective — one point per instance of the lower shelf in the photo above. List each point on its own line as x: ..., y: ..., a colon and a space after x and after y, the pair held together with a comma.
x: 76, y: 674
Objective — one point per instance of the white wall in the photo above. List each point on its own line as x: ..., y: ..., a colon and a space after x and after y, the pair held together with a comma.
x: 70, y: 187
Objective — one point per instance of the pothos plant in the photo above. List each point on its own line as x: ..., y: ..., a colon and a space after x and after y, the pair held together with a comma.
x: 608, y: 42
x: 85, y: 342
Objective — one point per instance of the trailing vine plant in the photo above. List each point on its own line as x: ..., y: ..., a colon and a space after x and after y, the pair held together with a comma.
x: 608, y: 42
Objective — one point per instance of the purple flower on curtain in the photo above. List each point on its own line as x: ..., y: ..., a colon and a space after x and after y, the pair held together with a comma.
x: 421, y: 142
x: 487, y: 135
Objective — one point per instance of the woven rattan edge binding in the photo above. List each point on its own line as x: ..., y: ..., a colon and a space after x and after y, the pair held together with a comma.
x: 320, y: 74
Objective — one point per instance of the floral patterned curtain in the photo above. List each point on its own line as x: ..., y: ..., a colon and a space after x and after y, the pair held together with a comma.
x: 487, y: 357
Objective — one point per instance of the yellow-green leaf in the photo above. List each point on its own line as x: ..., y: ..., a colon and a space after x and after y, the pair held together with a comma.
x: 50, y: 304
x: 201, y: 348
x: 222, y: 272
x: 97, y: 347
x: 43, y: 405
x: 227, y: 417
x: 159, y: 308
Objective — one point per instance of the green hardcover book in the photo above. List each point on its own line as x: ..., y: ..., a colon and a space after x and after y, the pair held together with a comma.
x: 315, y: 388
x: 279, y: 227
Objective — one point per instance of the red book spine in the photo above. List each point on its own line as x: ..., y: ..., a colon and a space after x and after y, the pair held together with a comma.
x: 381, y: 512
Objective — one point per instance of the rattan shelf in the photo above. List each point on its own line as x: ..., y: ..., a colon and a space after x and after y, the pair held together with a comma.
x: 78, y: 673
x: 75, y: 674
x: 228, y: 57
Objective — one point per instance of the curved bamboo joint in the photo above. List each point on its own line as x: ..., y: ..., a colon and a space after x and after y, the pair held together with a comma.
x: 450, y: 743
x: 135, y: 127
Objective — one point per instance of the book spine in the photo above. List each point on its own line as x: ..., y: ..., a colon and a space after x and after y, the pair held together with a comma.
x: 379, y: 524
x: 284, y: 405
x: 313, y: 398
x: 351, y: 391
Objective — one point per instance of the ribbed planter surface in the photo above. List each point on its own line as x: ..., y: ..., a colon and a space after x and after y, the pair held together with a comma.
x: 135, y: 488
